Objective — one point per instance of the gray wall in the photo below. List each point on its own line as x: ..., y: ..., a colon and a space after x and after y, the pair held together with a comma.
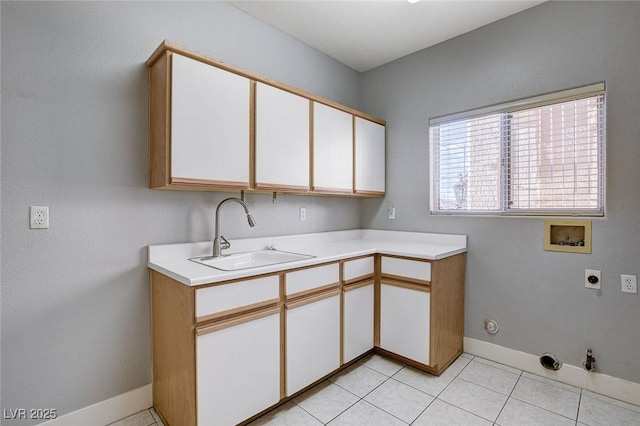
x: 75, y: 309
x: 75, y: 320
x: 538, y: 297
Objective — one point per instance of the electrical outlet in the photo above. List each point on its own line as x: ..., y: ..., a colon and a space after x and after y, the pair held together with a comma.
x: 303, y: 213
x: 629, y: 283
x: 39, y: 217
x: 392, y: 212
x: 592, y: 279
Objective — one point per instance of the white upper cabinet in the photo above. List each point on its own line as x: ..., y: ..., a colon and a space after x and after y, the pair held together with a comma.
x: 332, y: 149
x: 214, y: 126
x: 370, y: 157
x: 210, y: 113
x: 282, y: 139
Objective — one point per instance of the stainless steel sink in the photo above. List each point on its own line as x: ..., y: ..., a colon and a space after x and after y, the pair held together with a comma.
x: 249, y: 259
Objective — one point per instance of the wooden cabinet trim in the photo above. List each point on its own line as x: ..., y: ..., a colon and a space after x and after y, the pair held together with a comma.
x: 415, y: 259
x: 221, y: 325
x: 368, y: 193
x: 406, y: 284
x: 252, y: 134
x: 293, y: 298
x: 358, y: 279
x: 331, y: 191
x: 235, y: 312
x: 274, y: 187
x: 354, y: 153
x: 354, y: 285
x: 159, y: 122
x: 219, y: 184
x: 292, y: 304
x: 392, y: 277
x: 283, y: 339
x: 311, y: 142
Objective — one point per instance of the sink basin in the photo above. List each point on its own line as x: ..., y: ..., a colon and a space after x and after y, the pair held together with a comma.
x: 249, y: 259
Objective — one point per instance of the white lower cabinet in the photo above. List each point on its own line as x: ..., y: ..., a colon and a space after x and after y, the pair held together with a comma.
x: 358, y: 321
x: 224, y: 352
x: 404, y: 322
x: 238, y: 371
x: 313, y: 341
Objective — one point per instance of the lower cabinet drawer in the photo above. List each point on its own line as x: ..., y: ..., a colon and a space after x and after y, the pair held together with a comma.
x: 238, y: 371
x: 358, y: 268
x: 225, y: 297
x: 407, y: 268
x: 312, y: 278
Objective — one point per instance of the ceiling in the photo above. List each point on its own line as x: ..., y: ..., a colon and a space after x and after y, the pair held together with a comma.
x: 365, y: 34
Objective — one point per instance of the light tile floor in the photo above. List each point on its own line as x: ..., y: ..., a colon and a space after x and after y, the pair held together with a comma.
x: 472, y: 391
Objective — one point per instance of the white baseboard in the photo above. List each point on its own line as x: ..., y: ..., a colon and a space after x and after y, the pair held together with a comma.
x: 108, y: 411
x: 602, y: 384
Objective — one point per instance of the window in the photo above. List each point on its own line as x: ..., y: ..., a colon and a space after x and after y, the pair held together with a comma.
x: 537, y: 156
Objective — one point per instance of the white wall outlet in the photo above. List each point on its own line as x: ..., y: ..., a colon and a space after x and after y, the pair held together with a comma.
x: 39, y: 217
x: 303, y: 213
x: 629, y: 283
x: 392, y: 212
x: 592, y: 279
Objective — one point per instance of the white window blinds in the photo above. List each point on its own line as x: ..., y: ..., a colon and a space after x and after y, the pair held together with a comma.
x: 538, y: 156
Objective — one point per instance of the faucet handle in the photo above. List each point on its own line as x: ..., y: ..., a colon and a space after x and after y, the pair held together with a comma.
x: 270, y: 247
x: 224, y: 244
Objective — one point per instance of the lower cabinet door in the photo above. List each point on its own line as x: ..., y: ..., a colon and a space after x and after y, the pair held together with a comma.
x: 404, y: 322
x: 238, y: 371
x: 313, y: 342
x: 358, y: 321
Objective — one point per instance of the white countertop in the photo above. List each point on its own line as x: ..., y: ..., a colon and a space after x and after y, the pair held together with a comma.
x: 173, y: 259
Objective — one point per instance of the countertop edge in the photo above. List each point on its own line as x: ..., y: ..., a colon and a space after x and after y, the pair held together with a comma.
x: 193, y: 274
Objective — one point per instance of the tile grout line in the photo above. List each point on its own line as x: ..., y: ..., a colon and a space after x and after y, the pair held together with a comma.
x: 362, y: 399
x: 358, y: 365
x: 579, y: 404
x: 495, y: 422
x: 467, y: 411
x: 371, y: 391
x: 445, y: 388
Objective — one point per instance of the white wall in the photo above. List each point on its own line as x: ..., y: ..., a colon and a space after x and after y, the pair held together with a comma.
x: 538, y: 297
x: 75, y: 305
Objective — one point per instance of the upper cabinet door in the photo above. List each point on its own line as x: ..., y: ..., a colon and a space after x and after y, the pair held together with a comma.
x: 332, y: 150
x: 370, y: 157
x: 210, y: 116
x: 282, y: 140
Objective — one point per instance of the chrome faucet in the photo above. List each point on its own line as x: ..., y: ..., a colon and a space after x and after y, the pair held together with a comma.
x: 219, y: 242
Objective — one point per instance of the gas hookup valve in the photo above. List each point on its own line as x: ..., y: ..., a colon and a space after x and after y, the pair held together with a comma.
x: 590, y: 362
